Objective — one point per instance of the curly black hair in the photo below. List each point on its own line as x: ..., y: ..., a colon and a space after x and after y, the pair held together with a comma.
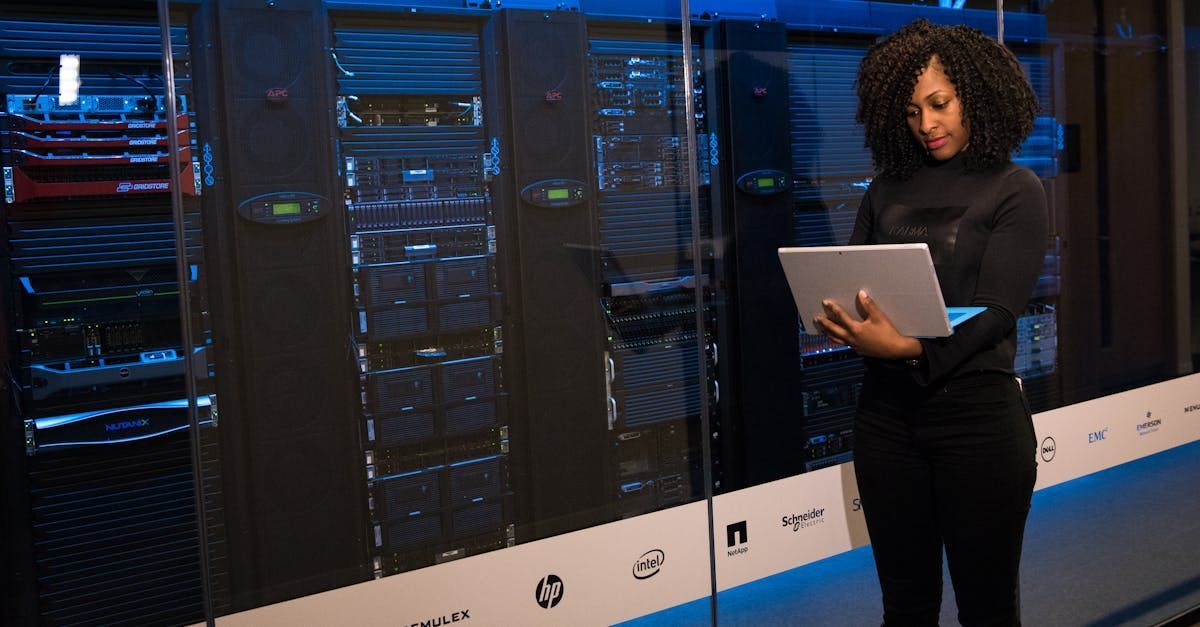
x: 998, y: 103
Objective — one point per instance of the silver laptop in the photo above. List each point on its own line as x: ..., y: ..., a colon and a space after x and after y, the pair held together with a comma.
x: 899, y: 277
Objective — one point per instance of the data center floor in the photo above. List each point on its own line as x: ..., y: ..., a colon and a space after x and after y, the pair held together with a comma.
x: 1120, y: 547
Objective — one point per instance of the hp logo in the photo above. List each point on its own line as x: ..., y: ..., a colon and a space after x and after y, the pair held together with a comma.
x: 549, y: 591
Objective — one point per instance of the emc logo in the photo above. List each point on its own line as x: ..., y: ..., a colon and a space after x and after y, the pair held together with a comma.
x: 1097, y: 436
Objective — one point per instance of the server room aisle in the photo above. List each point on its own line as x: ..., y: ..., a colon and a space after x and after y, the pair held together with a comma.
x: 1121, y: 547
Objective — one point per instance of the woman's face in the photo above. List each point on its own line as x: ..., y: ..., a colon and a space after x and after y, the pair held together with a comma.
x: 934, y: 113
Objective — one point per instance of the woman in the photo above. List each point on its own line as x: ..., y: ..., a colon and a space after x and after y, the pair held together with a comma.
x: 944, y: 444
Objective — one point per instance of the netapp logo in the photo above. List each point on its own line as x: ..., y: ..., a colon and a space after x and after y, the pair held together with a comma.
x: 444, y: 620
x: 549, y: 591
x: 1150, y: 426
x: 127, y: 424
x: 649, y: 564
x: 127, y: 186
x: 1098, y: 436
x: 1191, y: 408
x: 1048, y: 449
x: 811, y: 518
x: 735, y: 536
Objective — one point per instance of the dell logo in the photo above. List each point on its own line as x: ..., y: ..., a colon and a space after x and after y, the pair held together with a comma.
x: 1048, y: 449
x: 1097, y: 436
x: 549, y: 591
x: 649, y: 564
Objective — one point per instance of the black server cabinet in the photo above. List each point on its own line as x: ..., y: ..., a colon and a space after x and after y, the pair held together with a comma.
x: 286, y: 369
x: 758, y: 323
x: 536, y: 71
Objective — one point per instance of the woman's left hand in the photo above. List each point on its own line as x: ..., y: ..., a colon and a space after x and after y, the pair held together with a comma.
x: 875, y: 336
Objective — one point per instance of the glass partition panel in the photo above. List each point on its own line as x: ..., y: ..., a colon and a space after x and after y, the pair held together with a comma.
x: 100, y: 511
x: 461, y: 293
x: 1107, y: 149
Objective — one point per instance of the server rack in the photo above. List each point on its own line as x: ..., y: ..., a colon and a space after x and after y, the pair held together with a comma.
x: 99, y: 479
x: 417, y: 166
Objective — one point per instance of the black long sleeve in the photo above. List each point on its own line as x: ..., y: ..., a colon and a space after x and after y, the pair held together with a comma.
x: 987, y: 234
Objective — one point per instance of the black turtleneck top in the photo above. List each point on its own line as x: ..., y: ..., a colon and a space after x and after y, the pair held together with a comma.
x: 986, y: 232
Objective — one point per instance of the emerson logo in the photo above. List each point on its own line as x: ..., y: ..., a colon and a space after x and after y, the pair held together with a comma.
x: 1150, y: 426
x: 735, y: 536
x: 549, y: 591
x: 811, y: 518
x: 1098, y: 436
x: 444, y: 620
x: 649, y: 564
x: 1048, y: 449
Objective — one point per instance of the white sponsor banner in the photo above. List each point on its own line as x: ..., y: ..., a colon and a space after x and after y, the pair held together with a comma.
x: 601, y: 575
x: 634, y: 567
x: 777, y: 526
x: 1088, y: 437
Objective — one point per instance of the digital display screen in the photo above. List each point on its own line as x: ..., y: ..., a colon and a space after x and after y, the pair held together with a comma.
x: 766, y: 182
x: 557, y: 194
x: 285, y: 209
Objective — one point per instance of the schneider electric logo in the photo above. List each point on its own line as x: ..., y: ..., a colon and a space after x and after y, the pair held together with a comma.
x: 736, y: 536
x: 1048, y: 448
x: 444, y: 619
x: 811, y: 518
x: 549, y: 591
x: 1150, y: 426
x: 1098, y: 436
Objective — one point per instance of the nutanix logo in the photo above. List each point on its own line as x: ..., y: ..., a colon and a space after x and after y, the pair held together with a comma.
x: 736, y: 535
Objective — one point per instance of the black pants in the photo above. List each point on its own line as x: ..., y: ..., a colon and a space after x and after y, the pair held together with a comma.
x: 949, y: 467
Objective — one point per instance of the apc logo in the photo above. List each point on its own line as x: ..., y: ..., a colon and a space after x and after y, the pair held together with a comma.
x: 735, y: 536
x: 1098, y: 436
x: 649, y: 564
x: 549, y: 591
x: 1048, y: 449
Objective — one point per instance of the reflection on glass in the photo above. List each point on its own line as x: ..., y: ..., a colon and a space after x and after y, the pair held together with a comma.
x: 97, y: 482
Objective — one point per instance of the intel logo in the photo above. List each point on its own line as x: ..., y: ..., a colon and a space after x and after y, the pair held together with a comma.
x: 649, y: 564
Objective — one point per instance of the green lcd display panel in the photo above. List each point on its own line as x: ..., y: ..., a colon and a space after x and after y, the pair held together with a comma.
x: 766, y: 182
x: 285, y: 209
x: 557, y: 194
